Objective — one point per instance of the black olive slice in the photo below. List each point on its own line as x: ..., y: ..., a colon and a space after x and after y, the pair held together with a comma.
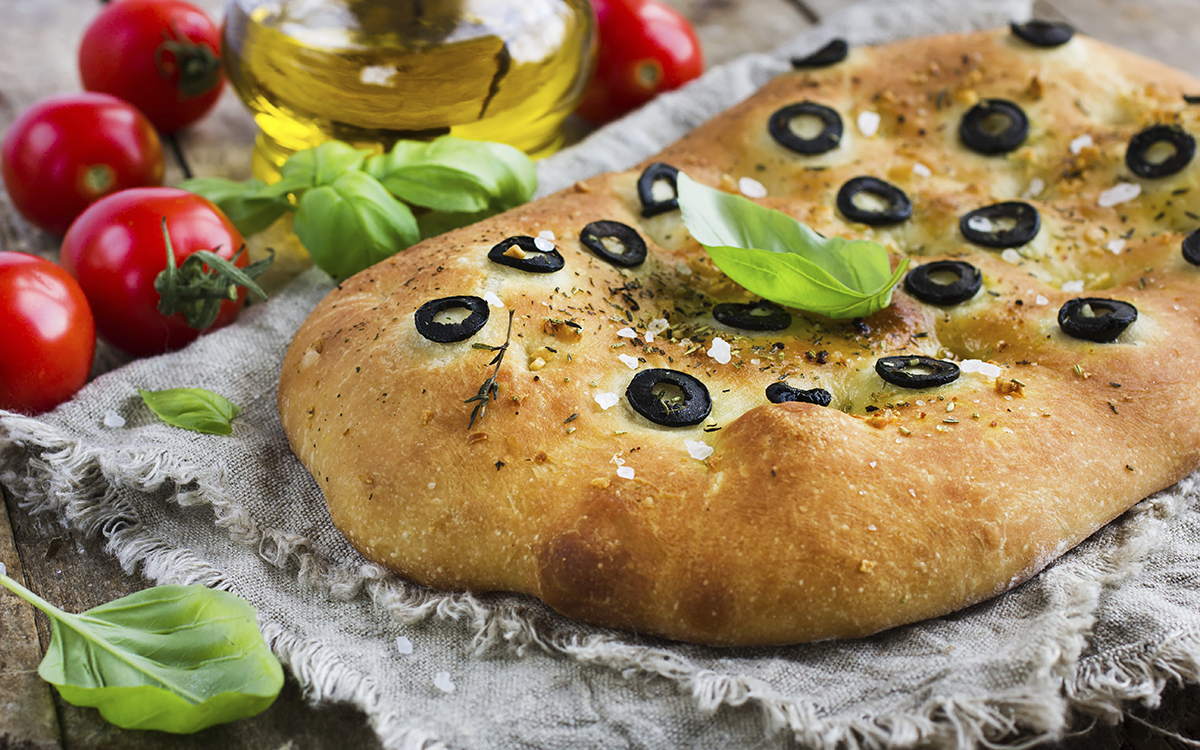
x: 1191, y: 98
x: 669, y: 397
x: 521, y: 253
x: 994, y: 126
x: 656, y: 173
x: 781, y: 393
x: 753, y: 316
x: 1095, y: 318
x: 1191, y: 248
x: 633, y: 247
x: 1008, y: 224
x: 830, y: 54
x: 912, y: 371
x: 780, y: 128
x: 1181, y: 144
x: 944, y: 282
x: 447, y: 333
x: 898, y: 207
x: 1043, y: 33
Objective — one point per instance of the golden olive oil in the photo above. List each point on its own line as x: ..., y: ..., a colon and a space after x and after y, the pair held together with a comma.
x: 370, y: 72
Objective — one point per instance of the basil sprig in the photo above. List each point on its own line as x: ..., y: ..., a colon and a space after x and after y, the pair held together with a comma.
x: 782, y: 260
x: 354, y: 209
x: 193, y: 409
x: 172, y: 658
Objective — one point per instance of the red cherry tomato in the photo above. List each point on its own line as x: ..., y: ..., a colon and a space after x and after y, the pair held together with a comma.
x: 162, y: 56
x: 67, y: 151
x: 116, y: 250
x: 48, y: 334
x: 645, y: 47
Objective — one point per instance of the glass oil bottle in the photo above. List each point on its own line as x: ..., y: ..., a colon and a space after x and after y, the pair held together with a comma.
x: 370, y: 72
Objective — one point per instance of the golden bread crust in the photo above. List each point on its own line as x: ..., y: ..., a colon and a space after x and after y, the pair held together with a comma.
x: 806, y: 522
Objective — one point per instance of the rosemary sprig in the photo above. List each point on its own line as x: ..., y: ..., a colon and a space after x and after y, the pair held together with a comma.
x: 490, y: 387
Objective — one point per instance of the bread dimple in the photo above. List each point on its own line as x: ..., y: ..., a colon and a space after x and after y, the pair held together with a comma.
x: 806, y: 522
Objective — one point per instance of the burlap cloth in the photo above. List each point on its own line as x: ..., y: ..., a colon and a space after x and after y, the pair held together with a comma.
x: 1113, y: 621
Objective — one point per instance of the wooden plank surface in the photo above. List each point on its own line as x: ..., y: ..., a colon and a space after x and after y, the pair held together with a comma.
x: 27, y: 716
x: 729, y: 28
x: 37, y: 43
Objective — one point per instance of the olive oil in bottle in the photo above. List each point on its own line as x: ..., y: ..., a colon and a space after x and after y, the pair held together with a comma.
x: 370, y: 72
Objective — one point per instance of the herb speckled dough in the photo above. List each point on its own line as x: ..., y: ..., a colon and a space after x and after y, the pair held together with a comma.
x: 806, y: 522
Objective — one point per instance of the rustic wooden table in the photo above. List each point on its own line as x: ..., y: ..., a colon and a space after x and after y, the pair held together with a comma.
x: 37, y: 58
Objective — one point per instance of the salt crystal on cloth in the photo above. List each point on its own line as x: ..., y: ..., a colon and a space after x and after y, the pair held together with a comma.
x: 1110, y: 623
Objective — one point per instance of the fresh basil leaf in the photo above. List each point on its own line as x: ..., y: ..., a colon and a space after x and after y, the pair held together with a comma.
x: 193, y: 409
x: 172, y: 658
x: 434, y: 223
x: 252, y: 205
x: 432, y: 186
x: 456, y: 174
x: 218, y: 189
x: 781, y: 259
x: 352, y: 224
x: 322, y: 164
x: 512, y: 171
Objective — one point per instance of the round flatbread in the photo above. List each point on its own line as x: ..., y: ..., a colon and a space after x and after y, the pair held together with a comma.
x: 664, y: 452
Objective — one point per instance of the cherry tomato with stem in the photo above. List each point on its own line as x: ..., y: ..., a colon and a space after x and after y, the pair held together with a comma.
x: 646, y: 47
x: 159, y: 266
x: 162, y: 56
x: 67, y: 151
x: 48, y: 333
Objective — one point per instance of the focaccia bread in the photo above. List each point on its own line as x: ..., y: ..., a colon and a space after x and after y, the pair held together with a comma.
x: 650, y: 460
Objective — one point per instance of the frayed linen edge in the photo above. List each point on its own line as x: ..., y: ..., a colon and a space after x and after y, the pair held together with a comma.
x: 69, y: 490
x: 68, y: 471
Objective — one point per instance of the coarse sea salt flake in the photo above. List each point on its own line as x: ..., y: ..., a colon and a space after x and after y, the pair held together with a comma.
x: 403, y: 645
x: 980, y: 223
x: 112, y: 419
x: 1041, y: 300
x: 720, y: 350
x: 986, y: 369
x: 607, y: 400
x: 543, y: 244
x: 1079, y: 143
x: 546, y: 233
x: 442, y: 682
x: 752, y: 188
x: 1011, y: 256
x: 627, y: 333
x: 922, y: 170
x: 697, y: 449
x: 625, y: 472
x: 492, y: 299
x: 630, y: 362
x: 657, y: 326
x: 1122, y: 192
x: 1116, y: 246
x: 868, y: 123
x: 1072, y: 286
x: 1036, y: 186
